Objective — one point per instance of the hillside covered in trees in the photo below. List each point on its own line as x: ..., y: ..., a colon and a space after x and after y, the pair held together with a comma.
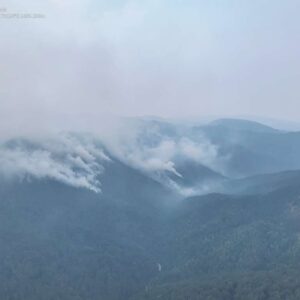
x: 107, y: 227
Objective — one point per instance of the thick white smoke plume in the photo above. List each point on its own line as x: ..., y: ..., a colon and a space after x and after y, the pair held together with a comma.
x: 66, y: 159
x: 157, y: 148
x: 78, y: 159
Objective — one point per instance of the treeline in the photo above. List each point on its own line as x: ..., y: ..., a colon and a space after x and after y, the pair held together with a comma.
x: 272, y: 285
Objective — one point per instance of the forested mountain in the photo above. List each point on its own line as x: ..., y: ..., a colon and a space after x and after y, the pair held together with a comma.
x: 175, y: 212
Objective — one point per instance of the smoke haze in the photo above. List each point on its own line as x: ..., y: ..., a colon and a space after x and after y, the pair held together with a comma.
x: 165, y: 58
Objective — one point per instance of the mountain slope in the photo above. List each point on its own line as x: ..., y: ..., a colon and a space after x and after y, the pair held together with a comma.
x: 262, y: 184
x: 81, y: 218
x: 252, y: 148
x: 63, y: 242
x: 67, y: 242
x: 226, y: 247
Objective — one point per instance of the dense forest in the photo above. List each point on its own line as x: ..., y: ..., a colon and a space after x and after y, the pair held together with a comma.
x: 139, y: 238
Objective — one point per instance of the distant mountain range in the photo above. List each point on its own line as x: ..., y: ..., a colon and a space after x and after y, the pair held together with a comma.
x: 160, y: 210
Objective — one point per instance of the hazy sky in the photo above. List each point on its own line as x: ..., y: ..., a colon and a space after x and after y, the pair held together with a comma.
x: 169, y: 58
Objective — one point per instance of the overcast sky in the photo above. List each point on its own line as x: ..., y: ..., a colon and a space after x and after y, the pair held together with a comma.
x: 168, y: 58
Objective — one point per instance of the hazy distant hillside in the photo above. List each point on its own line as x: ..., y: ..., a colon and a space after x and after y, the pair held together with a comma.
x: 244, y: 125
x: 262, y: 183
x: 252, y: 148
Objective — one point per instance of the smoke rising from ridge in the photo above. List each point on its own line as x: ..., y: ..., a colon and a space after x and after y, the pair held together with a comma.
x: 65, y: 159
x: 81, y: 159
